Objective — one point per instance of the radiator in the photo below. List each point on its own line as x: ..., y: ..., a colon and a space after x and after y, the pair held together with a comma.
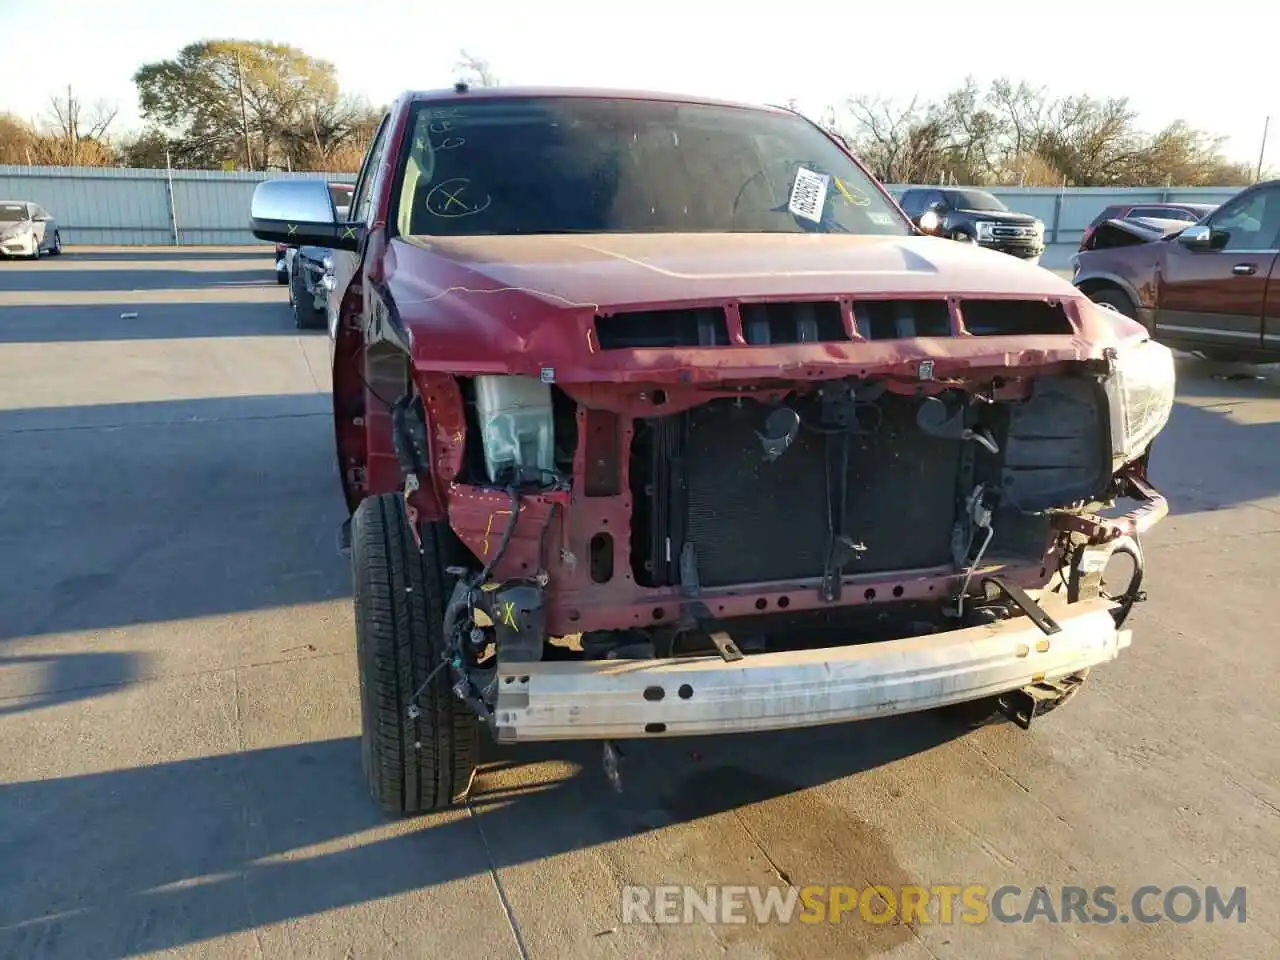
x: 744, y: 519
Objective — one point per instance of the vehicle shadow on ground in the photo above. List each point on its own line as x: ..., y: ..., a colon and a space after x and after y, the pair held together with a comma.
x: 47, y: 680
x: 133, y: 513
x: 201, y: 848
x: 89, y: 280
x: 1243, y: 381
x: 139, y: 513
x: 1205, y: 460
x: 147, y: 255
x: 129, y: 319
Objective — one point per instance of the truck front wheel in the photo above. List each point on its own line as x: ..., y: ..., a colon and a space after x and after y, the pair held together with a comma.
x: 425, y: 761
x: 1116, y: 299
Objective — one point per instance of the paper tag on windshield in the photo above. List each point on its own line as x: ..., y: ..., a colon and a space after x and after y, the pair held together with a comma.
x: 809, y: 194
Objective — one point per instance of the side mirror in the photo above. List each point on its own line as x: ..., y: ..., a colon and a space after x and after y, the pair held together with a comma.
x: 299, y: 212
x: 1198, y: 237
x: 929, y: 221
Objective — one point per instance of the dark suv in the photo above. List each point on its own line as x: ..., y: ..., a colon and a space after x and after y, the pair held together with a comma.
x: 974, y: 216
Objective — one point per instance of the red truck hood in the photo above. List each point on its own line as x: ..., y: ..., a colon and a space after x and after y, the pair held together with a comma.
x: 623, y: 270
x: 526, y: 303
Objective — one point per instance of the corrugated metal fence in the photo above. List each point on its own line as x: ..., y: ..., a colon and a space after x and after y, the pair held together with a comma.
x: 113, y: 205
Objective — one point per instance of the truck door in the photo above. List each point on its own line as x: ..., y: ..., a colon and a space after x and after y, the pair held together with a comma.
x: 1213, y: 296
x: 1271, y: 309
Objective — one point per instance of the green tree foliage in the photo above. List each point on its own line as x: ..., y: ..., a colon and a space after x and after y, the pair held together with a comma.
x: 1011, y: 133
x: 259, y: 105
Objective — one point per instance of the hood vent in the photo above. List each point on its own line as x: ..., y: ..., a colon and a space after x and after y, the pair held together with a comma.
x: 702, y: 327
x: 781, y: 323
x: 900, y: 319
x: 1000, y: 318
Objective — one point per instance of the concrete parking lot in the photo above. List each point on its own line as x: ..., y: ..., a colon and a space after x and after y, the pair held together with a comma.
x: 179, y: 754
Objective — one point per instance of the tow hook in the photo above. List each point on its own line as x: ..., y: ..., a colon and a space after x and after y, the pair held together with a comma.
x: 694, y: 614
x: 1023, y: 706
x: 1025, y: 603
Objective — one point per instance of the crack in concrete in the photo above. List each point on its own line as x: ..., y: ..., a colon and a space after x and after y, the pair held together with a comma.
x: 497, y: 884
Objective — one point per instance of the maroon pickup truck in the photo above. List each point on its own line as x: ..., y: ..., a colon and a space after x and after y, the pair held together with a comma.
x: 1212, y: 288
x: 656, y: 416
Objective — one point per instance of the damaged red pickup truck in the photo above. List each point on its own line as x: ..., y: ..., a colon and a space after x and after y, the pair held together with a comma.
x: 656, y: 416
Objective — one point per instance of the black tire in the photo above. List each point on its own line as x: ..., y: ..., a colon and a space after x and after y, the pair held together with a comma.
x: 56, y: 249
x: 282, y: 278
x: 412, y: 765
x: 961, y: 237
x: 1116, y: 299
x: 305, y: 315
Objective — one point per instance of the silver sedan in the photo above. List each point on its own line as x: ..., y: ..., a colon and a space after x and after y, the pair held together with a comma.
x: 27, y: 230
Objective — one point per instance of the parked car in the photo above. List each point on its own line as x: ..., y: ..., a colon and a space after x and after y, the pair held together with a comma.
x: 28, y: 230
x: 1200, y: 287
x: 1182, y: 212
x: 340, y: 193
x: 709, y: 440
x: 974, y: 216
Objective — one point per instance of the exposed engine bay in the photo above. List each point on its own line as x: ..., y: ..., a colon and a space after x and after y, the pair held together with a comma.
x: 785, y: 515
x: 854, y: 478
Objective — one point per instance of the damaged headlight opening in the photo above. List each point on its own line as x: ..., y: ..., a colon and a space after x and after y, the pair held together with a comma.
x: 1140, y: 395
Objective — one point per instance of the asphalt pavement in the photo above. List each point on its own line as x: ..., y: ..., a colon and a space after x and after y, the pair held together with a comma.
x: 179, y: 753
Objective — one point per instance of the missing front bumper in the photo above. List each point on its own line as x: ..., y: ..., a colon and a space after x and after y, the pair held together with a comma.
x: 616, y: 699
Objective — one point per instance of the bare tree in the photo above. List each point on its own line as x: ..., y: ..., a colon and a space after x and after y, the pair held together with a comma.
x: 79, y: 129
x: 474, y: 71
x: 1019, y: 116
x: 901, y: 144
x: 1017, y: 134
x: 973, y: 132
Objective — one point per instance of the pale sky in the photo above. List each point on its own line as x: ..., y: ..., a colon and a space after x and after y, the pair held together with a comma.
x: 1211, y: 64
